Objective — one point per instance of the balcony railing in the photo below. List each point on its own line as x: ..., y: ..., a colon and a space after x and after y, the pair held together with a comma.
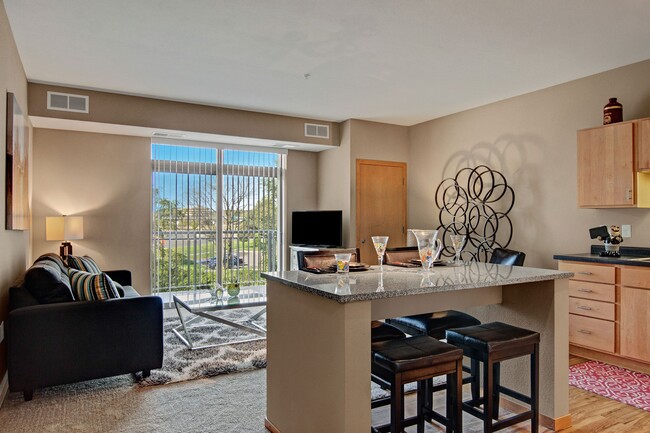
x: 185, y: 260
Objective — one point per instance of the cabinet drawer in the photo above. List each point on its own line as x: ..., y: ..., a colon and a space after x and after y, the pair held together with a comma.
x: 589, y: 332
x: 597, y: 309
x: 585, y: 272
x: 595, y: 291
x: 637, y: 276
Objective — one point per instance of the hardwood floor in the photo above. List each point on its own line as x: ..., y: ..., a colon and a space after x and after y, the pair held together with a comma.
x: 590, y: 413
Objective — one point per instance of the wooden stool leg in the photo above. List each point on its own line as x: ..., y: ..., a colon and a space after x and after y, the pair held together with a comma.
x: 475, y: 368
x: 450, y: 379
x: 497, y: 381
x: 488, y: 389
x: 423, y: 390
x: 428, y: 399
x: 396, y: 405
x: 534, y: 389
x: 458, y: 399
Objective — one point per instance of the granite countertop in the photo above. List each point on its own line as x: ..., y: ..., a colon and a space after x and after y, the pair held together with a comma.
x: 629, y: 256
x: 395, y: 281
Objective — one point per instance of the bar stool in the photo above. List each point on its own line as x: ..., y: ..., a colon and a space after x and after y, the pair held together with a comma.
x: 492, y: 343
x: 397, y: 362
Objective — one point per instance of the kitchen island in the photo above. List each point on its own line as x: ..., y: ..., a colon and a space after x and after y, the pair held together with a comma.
x: 318, y: 341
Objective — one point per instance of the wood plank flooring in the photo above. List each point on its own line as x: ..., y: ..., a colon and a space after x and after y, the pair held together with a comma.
x: 590, y: 413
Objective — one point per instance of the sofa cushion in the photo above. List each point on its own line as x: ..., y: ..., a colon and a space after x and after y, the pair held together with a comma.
x: 83, y: 263
x: 47, y: 283
x: 92, y: 287
x: 130, y: 292
x: 55, y: 259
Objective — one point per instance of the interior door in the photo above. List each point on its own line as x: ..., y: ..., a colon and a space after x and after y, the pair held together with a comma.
x: 381, y: 205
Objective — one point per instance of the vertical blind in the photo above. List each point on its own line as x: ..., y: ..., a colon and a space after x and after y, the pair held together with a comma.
x: 216, y: 216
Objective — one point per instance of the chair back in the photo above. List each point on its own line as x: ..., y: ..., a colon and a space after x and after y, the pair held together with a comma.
x: 401, y: 254
x: 324, y: 258
x: 502, y: 256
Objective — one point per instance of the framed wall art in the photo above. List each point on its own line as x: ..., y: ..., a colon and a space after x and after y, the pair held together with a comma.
x: 17, y: 166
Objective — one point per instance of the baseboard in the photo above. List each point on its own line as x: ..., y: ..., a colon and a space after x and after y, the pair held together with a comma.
x: 608, y: 358
x: 4, y: 388
x: 270, y: 427
x: 555, y: 424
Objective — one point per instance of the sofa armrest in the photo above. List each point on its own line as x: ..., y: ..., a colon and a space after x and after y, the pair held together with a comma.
x: 66, y: 342
x: 121, y: 276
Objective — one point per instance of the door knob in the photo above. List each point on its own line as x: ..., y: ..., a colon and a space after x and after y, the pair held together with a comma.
x: 363, y: 241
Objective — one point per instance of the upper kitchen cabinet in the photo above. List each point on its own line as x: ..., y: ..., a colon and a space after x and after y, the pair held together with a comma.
x: 607, y: 172
x: 643, y: 145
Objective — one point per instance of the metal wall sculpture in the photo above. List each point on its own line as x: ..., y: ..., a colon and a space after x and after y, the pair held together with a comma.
x: 475, y: 203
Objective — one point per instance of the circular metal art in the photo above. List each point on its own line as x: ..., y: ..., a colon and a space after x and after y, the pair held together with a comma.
x: 475, y: 203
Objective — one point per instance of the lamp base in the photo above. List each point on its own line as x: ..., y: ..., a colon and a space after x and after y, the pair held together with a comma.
x: 65, y: 249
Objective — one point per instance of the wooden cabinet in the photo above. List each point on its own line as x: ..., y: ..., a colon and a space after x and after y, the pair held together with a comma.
x: 609, y: 313
x: 614, y: 165
x: 643, y: 145
x: 592, y: 305
x: 606, y: 170
x: 635, y: 314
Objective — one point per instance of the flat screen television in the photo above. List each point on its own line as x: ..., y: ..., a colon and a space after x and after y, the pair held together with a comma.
x: 322, y: 228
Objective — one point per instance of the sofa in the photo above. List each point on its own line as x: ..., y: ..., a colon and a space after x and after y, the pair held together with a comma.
x: 54, y: 339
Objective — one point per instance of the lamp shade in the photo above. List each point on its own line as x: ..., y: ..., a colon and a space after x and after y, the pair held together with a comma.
x: 64, y: 228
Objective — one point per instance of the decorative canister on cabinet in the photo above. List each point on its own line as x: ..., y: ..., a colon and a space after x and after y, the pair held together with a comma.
x: 613, y: 112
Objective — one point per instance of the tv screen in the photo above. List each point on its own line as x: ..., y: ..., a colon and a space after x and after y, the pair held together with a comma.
x: 322, y: 228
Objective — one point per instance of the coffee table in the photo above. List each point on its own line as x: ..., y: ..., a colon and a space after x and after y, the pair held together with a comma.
x: 201, y: 304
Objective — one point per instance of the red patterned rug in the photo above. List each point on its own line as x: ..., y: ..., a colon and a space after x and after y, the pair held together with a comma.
x: 613, y: 382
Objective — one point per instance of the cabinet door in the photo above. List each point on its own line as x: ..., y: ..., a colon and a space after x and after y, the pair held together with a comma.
x: 643, y: 145
x: 606, y: 166
x: 635, y: 323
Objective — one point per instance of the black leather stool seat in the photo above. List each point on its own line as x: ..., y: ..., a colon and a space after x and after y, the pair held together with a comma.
x: 433, y: 324
x: 492, y: 337
x: 381, y: 331
x: 413, y: 353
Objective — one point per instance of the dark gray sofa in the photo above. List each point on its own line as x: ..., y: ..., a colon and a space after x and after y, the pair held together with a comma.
x: 61, y: 342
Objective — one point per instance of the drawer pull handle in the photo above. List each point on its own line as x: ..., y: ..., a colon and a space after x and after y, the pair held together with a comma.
x: 585, y: 290
x: 584, y: 273
x: 584, y: 307
x: 584, y: 331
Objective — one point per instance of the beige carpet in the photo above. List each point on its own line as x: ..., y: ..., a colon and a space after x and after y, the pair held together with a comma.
x: 232, y: 403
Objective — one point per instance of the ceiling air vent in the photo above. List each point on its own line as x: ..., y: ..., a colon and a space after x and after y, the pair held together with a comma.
x: 317, y: 131
x: 67, y: 102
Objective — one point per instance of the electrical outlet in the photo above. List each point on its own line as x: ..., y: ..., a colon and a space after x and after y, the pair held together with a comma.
x: 2, y: 331
x: 626, y: 231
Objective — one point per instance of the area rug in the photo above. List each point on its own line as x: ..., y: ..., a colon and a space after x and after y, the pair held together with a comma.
x: 180, y: 363
x: 613, y: 382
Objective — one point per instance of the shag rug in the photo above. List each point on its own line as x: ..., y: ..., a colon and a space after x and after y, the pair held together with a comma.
x: 613, y: 382
x: 180, y: 363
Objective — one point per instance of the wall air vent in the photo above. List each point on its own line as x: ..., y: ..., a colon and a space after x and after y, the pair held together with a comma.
x: 167, y: 134
x: 67, y: 102
x: 317, y: 131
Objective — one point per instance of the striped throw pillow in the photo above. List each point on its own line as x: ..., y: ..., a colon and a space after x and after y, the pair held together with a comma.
x: 84, y: 263
x: 92, y: 287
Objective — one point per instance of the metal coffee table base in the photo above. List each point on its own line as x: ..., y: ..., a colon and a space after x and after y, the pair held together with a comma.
x: 247, y: 325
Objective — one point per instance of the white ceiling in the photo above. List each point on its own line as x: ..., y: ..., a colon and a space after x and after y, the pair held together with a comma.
x: 393, y: 61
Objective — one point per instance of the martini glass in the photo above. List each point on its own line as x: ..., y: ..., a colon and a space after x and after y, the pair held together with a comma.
x: 457, y: 241
x: 380, y: 243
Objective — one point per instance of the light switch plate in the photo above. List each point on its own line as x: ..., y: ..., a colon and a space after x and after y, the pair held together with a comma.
x: 626, y: 231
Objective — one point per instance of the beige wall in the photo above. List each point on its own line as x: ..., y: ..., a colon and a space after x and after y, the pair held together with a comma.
x: 107, y: 180
x: 113, y: 108
x: 301, y: 183
x: 14, y: 255
x: 531, y: 139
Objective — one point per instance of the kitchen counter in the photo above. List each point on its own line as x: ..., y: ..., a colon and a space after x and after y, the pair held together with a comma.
x: 318, y: 340
x: 629, y: 256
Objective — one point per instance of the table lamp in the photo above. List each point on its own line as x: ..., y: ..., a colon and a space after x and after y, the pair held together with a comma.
x: 64, y: 228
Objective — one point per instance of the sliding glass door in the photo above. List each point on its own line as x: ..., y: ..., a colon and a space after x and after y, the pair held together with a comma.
x: 216, y: 217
